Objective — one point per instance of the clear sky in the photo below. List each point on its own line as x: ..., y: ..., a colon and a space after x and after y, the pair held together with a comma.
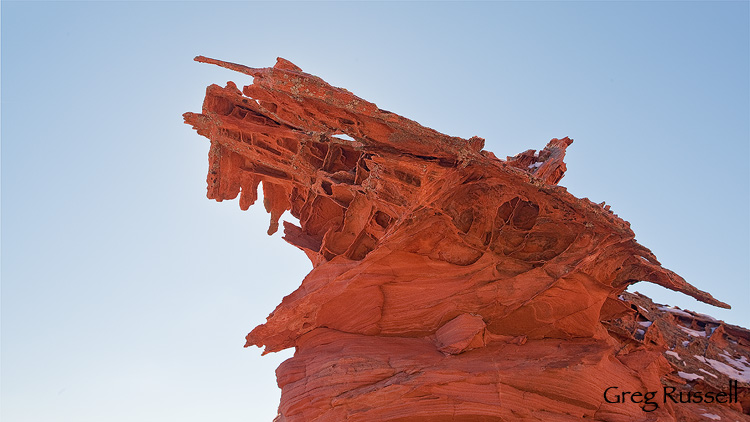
x: 126, y: 294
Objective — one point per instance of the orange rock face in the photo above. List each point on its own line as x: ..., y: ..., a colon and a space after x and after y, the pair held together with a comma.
x: 450, y: 285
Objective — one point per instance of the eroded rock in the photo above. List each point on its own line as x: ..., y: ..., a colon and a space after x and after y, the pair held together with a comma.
x: 447, y: 284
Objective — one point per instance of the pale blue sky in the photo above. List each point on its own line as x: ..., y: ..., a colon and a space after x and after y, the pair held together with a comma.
x: 126, y: 294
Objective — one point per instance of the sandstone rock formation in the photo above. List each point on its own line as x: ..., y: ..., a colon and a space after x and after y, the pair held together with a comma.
x: 448, y: 284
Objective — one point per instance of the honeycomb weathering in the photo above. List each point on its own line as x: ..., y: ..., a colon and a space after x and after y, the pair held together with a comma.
x: 447, y: 284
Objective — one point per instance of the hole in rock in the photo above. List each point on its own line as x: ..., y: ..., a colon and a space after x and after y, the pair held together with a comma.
x: 326, y: 185
x: 504, y: 212
x: 524, y: 215
x: 464, y: 220
x: 382, y: 219
x: 272, y: 107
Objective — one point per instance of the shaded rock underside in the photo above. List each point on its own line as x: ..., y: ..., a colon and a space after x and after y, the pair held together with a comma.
x: 447, y: 284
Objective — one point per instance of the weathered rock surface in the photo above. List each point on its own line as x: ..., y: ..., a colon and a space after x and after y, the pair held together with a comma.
x: 450, y: 285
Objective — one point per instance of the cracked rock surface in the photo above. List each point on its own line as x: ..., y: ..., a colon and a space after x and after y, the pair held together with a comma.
x: 448, y: 284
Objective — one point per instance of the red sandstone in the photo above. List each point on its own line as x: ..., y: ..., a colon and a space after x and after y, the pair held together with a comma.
x: 450, y: 285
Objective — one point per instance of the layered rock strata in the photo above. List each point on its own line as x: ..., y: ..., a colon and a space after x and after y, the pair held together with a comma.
x: 448, y: 284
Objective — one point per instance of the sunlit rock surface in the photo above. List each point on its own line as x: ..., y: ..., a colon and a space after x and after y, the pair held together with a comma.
x: 448, y: 284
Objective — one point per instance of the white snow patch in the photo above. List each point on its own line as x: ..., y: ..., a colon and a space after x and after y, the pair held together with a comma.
x: 693, y: 333
x: 640, y: 332
x: 344, y: 136
x: 536, y: 154
x: 675, y: 311
x: 739, y: 371
x: 741, y: 363
x: 685, y: 343
x: 535, y: 165
x: 645, y: 323
x: 712, y: 416
x: 703, y: 370
x: 688, y: 376
x: 671, y: 353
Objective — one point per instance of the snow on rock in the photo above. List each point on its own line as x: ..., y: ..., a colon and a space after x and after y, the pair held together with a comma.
x: 674, y: 354
x: 740, y: 373
x: 693, y: 333
x: 535, y: 165
x: 688, y: 376
x: 675, y: 311
x: 703, y: 370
